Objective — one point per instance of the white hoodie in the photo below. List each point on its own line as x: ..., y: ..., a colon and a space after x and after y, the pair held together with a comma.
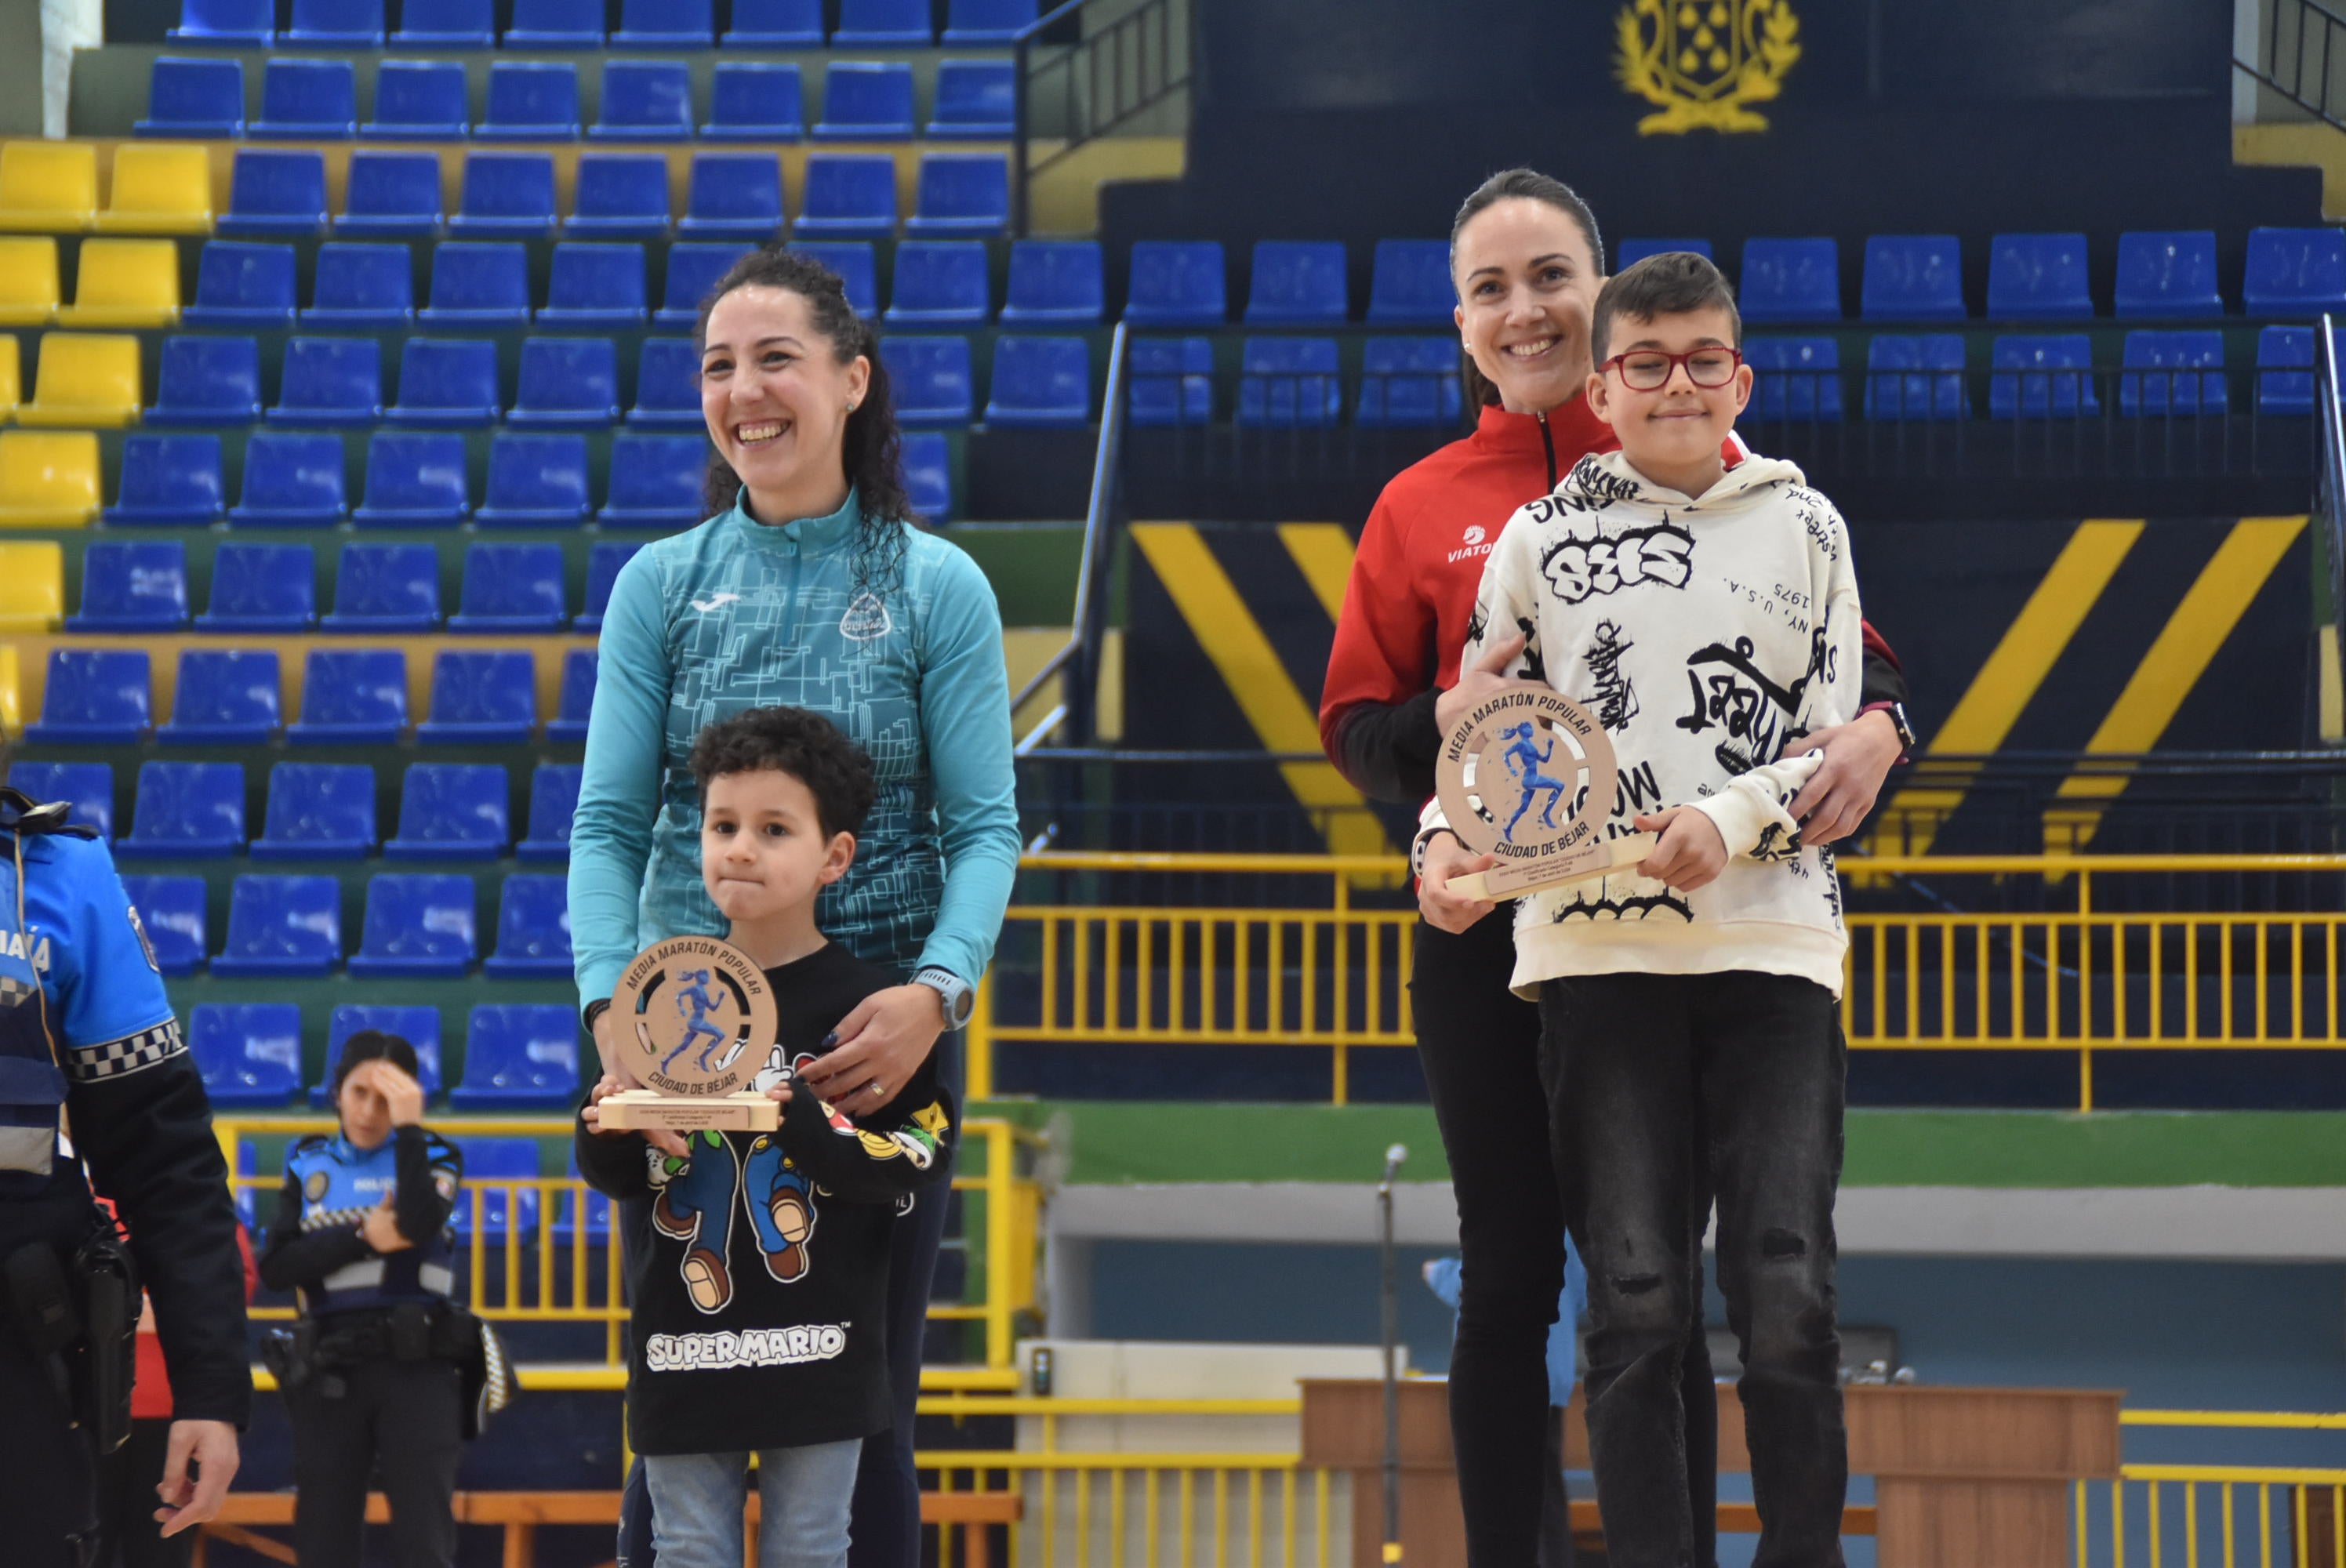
x: 1704, y: 635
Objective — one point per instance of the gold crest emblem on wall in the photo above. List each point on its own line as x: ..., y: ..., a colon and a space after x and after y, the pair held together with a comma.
x: 1704, y: 63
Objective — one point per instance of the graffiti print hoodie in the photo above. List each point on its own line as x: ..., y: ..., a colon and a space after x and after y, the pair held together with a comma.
x: 1705, y: 636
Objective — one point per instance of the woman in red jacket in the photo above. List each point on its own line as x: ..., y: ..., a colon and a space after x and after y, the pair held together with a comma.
x: 1526, y: 262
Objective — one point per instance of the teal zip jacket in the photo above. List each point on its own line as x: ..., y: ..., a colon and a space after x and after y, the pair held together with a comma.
x: 735, y: 614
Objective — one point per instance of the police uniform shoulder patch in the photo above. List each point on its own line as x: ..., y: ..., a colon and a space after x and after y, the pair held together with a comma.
x: 313, y: 1187
x: 444, y: 1183
x: 139, y: 927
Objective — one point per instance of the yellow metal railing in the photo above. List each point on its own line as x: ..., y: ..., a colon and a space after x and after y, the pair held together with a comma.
x: 2216, y: 1516
x: 1324, y: 971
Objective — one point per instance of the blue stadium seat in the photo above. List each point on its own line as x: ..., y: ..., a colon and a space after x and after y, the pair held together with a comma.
x: 419, y: 1027
x: 1175, y: 283
x: 883, y: 24
x: 2285, y: 375
x: 928, y: 473
x: 1408, y: 382
x: 318, y: 811
x: 929, y: 378
x: 450, y: 384
x: 481, y: 699
x: 577, y: 703
x: 248, y: 1052
x: 1054, y: 281
x: 2058, y: 383
x: 391, y: 194
x: 1916, y: 378
x: 567, y: 382
x: 866, y: 100
x: 357, y: 695
x: 1790, y: 280
x: 535, y: 482
x: 604, y: 559
x: 646, y: 100
x: 171, y: 909
x: 98, y: 696
x: 291, y: 481
x: 939, y: 283
x: 194, y: 99
x: 1408, y: 283
x: 849, y: 195
x: 620, y: 196
x: 531, y: 100
x: 2180, y: 373
x: 225, y: 697
x: 2294, y: 271
x: 415, y: 479
x: 555, y: 25
x: 385, y: 588
x: 417, y: 923
x: 693, y: 270
x: 734, y: 195
x: 1172, y: 381
x: 173, y: 480
x: 1297, y: 282
x: 418, y: 100
x: 597, y: 1211
x: 985, y: 22
x: 86, y: 786
x: 509, y: 193
x: 2167, y: 273
x: 775, y: 25
x: 755, y: 100
x: 656, y: 482
x: 857, y: 264
x: 1040, y: 381
x: 207, y: 382
x: 511, y: 588
x: 241, y: 284
x: 2037, y: 278
x: 553, y: 798
x: 226, y: 22
x: 975, y: 100
x: 351, y: 24
x: 1913, y: 278
x: 361, y: 285
x: 596, y: 286
x: 1794, y: 378
x: 446, y: 25
x: 279, y: 926
x: 329, y: 383
x: 1288, y: 381
x: 133, y: 586
x: 263, y: 588
x: 452, y: 811
x: 1627, y: 253
x: 664, y: 24
x: 308, y: 100
x: 521, y: 1057
x: 961, y: 193
x: 498, y: 1159
x: 275, y: 191
x: 667, y: 395
x: 193, y: 810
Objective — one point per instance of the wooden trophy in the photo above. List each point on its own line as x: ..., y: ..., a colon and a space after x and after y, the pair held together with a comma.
x: 695, y: 1020
x: 1528, y: 776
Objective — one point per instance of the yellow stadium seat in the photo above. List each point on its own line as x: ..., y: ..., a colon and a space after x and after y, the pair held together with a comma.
x: 48, y: 479
x: 85, y: 378
x: 12, y: 377
x: 48, y: 186
x: 160, y: 188
x: 28, y: 280
x: 125, y: 283
x: 12, y: 691
x: 32, y: 586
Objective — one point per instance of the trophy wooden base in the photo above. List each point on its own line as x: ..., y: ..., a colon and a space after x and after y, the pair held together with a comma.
x: 1503, y: 882
x: 633, y: 1109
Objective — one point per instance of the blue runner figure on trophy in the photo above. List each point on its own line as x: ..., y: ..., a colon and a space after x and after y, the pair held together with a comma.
x: 695, y: 1000
x: 1526, y: 761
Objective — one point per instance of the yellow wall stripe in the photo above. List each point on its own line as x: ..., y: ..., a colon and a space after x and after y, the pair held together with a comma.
x: 1323, y: 552
x: 1233, y: 639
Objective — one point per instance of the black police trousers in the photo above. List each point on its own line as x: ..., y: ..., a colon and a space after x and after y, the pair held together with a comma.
x: 408, y: 1418
x: 48, y: 1477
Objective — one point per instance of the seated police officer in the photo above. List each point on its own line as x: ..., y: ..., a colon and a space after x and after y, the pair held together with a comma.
x: 86, y: 1029
x: 362, y: 1234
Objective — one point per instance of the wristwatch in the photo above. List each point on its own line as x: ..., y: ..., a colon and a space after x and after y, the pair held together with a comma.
x: 1907, y: 738
x: 955, y: 995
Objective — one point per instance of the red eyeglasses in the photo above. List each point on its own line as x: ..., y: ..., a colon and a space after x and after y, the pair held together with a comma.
x: 1648, y: 370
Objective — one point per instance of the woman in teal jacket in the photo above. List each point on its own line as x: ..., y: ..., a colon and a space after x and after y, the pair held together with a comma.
x: 811, y: 588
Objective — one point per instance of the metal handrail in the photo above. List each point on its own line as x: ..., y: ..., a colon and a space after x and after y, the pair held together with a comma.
x: 2308, y: 62
x: 1082, y: 647
x: 2330, y: 472
x: 1118, y: 110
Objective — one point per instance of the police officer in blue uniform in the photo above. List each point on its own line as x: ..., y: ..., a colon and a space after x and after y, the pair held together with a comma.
x: 86, y: 1030
x: 362, y: 1235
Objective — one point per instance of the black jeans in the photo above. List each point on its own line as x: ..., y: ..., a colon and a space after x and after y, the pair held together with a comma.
x: 1651, y: 1079
x: 48, y: 1474
x: 406, y: 1416
x: 1479, y: 1045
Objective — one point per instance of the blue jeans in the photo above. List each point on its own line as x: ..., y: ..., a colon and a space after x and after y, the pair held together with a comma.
x: 804, y: 1495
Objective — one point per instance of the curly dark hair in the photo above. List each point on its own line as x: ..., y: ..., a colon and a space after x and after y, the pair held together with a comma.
x: 873, y: 450
x: 804, y: 744
x: 1508, y: 184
